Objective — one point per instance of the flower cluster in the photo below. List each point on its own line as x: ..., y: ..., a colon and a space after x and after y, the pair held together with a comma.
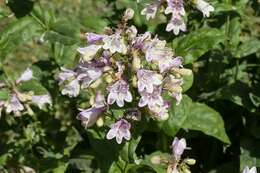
x: 125, y: 69
x: 177, y: 11
x: 18, y: 101
x: 173, y: 161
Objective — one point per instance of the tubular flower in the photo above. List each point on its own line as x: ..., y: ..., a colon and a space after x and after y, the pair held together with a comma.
x: 126, y: 67
x: 252, y: 170
x: 177, y: 10
x: 120, y: 130
x: 14, y: 105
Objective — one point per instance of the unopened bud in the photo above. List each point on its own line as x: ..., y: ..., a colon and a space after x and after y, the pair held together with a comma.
x: 96, y: 83
x: 190, y: 161
x: 156, y: 160
x: 129, y: 14
x: 134, y: 81
x: 109, y: 79
x: 182, y: 71
x: 186, y: 170
x: 100, y: 122
x: 25, y: 97
x: 136, y: 65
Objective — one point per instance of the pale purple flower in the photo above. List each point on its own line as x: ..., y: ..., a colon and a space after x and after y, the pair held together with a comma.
x: 93, y: 38
x: 114, y: 43
x: 99, y: 100
x: 131, y: 32
x: 71, y: 89
x: 204, y: 7
x: 88, y: 117
x: 178, y: 147
x: 65, y: 74
x: 155, y: 50
x: 176, y: 7
x: 139, y: 41
x: 129, y: 14
x: 161, y: 111
x: 89, y: 72
x: 120, y: 130
x: 150, y: 10
x: 151, y: 99
x: 14, y: 105
x: 25, y: 76
x: 176, y: 25
x: 147, y: 80
x: 252, y: 170
x: 168, y: 62
x: 89, y: 52
x: 177, y: 97
x: 119, y: 92
x: 41, y: 100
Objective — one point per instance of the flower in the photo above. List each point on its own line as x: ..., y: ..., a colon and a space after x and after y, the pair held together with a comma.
x: 71, y: 89
x: 114, y: 43
x: 41, y: 100
x: 14, y: 105
x: 148, y: 80
x: 120, y: 130
x: 88, y: 117
x: 176, y: 24
x: 160, y: 111
x: 119, y: 92
x: 252, y: 170
x: 65, y: 75
x: 151, y: 99
x: 129, y: 14
x: 175, y: 7
x: 89, y: 52
x: 168, y: 62
x: 93, y: 38
x: 204, y: 7
x: 155, y: 50
x: 178, y: 147
x: 150, y: 10
x: 25, y: 76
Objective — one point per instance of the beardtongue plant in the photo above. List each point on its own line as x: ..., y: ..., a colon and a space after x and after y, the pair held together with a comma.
x: 19, y: 100
x: 177, y: 10
x: 125, y: 69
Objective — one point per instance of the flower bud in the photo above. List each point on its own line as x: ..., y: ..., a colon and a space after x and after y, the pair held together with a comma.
x: 156, y: 160
x: 134, y: 81
x: 182, y: 71
x: 136, y: 65
x: 96, y: 83
x: 190, y: 161
x: 186, y: 170
x: 100, y: 122
x: 25, y: 97
x: 129, y: 14
x: 109, y: 79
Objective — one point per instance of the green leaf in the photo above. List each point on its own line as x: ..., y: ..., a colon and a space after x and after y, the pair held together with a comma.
x: 195, y: 116
x: 197, y: 43
x: 248, y: 48
x: 207, y: 120
x: 187, y: 82
x: 4, y: 94
x: 34, y: 86
x: 16, y: 33
x: 63, y: 32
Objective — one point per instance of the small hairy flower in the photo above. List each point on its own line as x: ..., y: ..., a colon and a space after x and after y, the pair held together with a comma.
x: 89, y: 52
x: 114, y: 43
x: 150, y: 10
x: 92, y: 38
x: 151, y: 99
x: 41, y: 100
x: 252, y: 170
x: 120, y: 130
x: 119, y: 92
x: 176, y: 7
x: 65, y: 75
x: 178, y: 147
x: 14, y: 105
x: 204, y: 7
x: 129, y: 14
x: 147, y: 80
x: 25, y: 76
x: 71, y: 89
x: 176, y: 25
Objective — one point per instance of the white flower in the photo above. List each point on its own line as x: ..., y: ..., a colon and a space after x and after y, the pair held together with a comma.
x: 129, y: 14
x: 119, y: 92
x: 25, y: 76
x: 147, y: 80
x: 120, y: 130
x: 252, y: 170
x: 72, y: 89
x: 151, y: 99
x: 150, y: 10
x: 178, y: 147
x: 114, y: 43
x: 88, y: 117
x: 41, y: 100
x: 14, y: 105
x: 204, y: 7
x: 89, y: 52
x: 176, y: 24
x: 175, y: 7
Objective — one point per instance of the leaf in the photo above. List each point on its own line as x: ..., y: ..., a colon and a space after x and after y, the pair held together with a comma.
x: 187, y: 82
x: 4, y: 94
x: 195, y: 116
x: 197, y: 43
x: 248, y: 48
x: 20, y: 8
x: 64, y: 32
x: 16, y: 33
x: 207, y: 120
x: 34, y: 86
